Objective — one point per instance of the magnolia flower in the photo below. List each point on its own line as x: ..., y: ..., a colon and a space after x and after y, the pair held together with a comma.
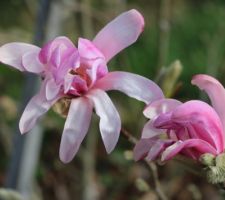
x: 81, y: 75
x: 192, y: 129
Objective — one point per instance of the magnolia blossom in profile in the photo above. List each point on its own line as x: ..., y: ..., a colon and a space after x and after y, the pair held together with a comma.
x: 80, y: 74
x: 192, y: 129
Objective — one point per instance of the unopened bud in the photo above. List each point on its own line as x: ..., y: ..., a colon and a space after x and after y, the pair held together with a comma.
x: 208, y: 159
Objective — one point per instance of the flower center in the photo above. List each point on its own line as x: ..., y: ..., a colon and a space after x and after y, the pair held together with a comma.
x: 81, y: 71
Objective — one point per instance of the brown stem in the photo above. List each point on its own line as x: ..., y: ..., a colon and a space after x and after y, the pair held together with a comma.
x: 151, y: 165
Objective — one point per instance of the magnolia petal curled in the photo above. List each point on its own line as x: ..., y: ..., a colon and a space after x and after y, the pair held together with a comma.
x: 160, y: 106
x: 200, y: 145
x: 215, y: 91
x: 119, y: 33
x: 110, y: 124
x: 76, y: 128
x: 133, y: 85
x: 204, y: 120
x: 12, y: 54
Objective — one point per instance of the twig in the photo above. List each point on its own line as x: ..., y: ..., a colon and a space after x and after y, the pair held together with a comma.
x: 151, y: 165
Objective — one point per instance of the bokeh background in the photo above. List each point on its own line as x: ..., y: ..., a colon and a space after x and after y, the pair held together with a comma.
x: 191, y: 31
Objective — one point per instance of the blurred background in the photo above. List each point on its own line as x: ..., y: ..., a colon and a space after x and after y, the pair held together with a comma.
x: 181, y: 38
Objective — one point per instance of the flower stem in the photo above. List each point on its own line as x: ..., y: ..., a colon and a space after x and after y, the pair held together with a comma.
x: 151, y: 165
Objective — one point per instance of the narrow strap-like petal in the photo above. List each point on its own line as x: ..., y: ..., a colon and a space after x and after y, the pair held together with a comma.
x: 76, y: 127
x: 160, y: 106
x: 132, y: 85
x: 12, y: 54
x: 216, y: 93
x: 110, y: 123
x: 119, y: 33
x: 36, y: 107
x: 199, y: 145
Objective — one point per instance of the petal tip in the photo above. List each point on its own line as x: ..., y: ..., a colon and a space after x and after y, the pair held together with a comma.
x: 139, y: 16
x: 23, y: 129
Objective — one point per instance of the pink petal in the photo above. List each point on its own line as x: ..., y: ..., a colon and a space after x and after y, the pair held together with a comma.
x: 149, y: 131
x: 132, y: 85
x: 110, y: 123
x: 76, y: 127
x: 52, y: 89
x: 142, y: 148
x: 204, y: 120
x: 68, y: 82
x: 47, y: 50
x: 88, y: 50
x: 98, y: 69
x: 56, y: 56
x: 71, y: 60
x: 199, y: 145
x: 119, y: 33
x: 79, y: 86
x: 31, y: 63
x: 160, y: 106
x: 12, y: 54
x: 157, y: 148
x: 36, y: 107
x: 215, y: 91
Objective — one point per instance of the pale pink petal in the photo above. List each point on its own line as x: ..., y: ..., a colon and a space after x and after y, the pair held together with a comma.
x: 52, y: 89
x: 204, y: 120
x: 157, y: 148
x: 32, y: 63
x: 88, y: 50
x: 215, y: 91
x: 79, y: 86
x: 160, y: 106
x: 142, y: 148
x: 132, y: 85
x: 110, y: 123
x: 71, y: 60
x: 56, y: 56
x: 68, y: 82
x: 119, y: 33
x: 149, y: 131
x: 36, y: 107
x: 47, y: 50
x: 199, y: 145
x: 98, y: 69
x: 76, y: 127
x: 12, y: 54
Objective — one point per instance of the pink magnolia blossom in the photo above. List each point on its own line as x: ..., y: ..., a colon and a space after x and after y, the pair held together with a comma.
x: 81, y: 74
x: 192, y: 128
